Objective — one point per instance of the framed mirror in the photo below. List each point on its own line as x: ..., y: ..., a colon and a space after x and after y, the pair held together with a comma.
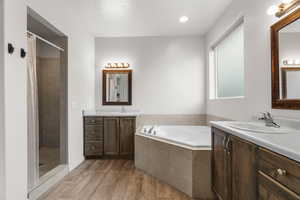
x: 285, y: 40
x: 117, y: 87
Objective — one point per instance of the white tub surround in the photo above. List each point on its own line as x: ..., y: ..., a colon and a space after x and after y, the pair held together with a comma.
x: 286, y: 144
x: 97, y: 113
x: 177, y: 155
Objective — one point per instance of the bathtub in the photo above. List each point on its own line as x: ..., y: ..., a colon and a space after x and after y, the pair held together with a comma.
x: 177, y: 155
x: 190, y: 137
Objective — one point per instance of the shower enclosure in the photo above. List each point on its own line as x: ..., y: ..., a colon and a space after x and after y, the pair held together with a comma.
x: 48, y: 89
x: 47, y: 103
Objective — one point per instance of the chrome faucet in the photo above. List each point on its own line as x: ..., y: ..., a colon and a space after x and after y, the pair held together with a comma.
x: 151, y: 130
x: 269, y: 120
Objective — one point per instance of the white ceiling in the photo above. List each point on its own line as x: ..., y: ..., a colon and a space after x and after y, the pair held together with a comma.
x: 128, y: 18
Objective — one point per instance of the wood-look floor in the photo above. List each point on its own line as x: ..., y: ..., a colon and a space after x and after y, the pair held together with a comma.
x: 111, y: 180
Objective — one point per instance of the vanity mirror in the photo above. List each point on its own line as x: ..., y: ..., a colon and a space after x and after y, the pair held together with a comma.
x: 117, y: 87
x: 285, y: 36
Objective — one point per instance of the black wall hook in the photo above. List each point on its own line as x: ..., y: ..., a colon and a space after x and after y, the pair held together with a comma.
x: 23, y: 53
x: 10, y: 48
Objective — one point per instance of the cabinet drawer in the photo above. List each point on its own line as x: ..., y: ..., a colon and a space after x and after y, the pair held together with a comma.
x: 93, y: 148
x: 270, y: 189
x: 281, y: 169
x: 93, y: 132
x: 93, y: 120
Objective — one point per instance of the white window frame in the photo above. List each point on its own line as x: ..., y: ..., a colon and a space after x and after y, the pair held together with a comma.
x: 213, y: 70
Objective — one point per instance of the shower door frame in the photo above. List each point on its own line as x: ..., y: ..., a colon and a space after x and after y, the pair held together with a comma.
x: 63, y: 146
x: 61, y: 41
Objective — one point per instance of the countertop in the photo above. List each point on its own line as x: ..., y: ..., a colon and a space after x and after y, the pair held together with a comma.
x: 285, y: 144
x: 94, y: 113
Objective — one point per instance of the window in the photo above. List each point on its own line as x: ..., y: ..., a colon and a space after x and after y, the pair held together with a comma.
x: 227, y: 61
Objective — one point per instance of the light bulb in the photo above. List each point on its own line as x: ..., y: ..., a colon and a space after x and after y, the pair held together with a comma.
x: 287, y: 1
x: 183, y: 19
x: 290, y: 62
x: 273, y: 10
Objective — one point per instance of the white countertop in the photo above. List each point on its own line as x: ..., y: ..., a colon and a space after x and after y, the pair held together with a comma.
x: 285, y: 144
x: 91, y: 113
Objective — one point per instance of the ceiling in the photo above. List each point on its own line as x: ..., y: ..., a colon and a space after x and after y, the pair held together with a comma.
x: 129, y: 18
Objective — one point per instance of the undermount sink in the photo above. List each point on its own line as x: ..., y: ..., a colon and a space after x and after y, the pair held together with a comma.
x: 258, y: 128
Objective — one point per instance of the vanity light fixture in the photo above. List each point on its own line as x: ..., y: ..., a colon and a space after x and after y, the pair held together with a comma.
x: 273, y: 10
x: 117, y: 65
x: 283, y: 8
x: 287, y: 1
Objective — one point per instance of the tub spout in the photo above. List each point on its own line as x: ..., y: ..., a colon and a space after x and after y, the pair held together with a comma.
x: 151, y: 130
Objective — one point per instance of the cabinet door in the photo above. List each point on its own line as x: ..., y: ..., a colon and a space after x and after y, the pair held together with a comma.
x: 111, y: 136
x: 219, y: 168
x: 127, y: 130
x: 243, y: 169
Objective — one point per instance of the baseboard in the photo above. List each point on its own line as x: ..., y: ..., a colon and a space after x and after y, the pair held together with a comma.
x: 48, y: 182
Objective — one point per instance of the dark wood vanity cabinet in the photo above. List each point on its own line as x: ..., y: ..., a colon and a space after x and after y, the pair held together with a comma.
x: 109, y: 136
x: 93, y: 136
x: 233, y: 169
x: 112, y: 136
x: 244, y: 171
x: 220, y: 165
x: 127, y: 128
x: 278, y: 177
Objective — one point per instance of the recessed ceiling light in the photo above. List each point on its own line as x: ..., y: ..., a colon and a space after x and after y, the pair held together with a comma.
x: 183, y: 19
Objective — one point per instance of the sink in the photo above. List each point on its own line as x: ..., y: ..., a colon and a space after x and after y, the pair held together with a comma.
x: 258, y: 128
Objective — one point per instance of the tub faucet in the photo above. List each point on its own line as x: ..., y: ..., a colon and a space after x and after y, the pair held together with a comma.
x: 151, y: 130
x: 269, y: 120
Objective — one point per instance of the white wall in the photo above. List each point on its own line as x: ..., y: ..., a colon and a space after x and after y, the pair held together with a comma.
x: 15, y: 101
x: 168, y: 72
x: 81, y: 85
x: 257, y: 61
x: 2, y: 138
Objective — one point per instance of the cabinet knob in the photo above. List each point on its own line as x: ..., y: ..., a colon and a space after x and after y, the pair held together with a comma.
x: 281, y: 172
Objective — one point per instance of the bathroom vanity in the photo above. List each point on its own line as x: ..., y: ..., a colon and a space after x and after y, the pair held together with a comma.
x: 264, y: 163
x: 109, y: 135
x: 251, y: 166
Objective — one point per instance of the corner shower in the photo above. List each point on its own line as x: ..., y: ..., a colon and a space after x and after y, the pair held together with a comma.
x: 47, y: 102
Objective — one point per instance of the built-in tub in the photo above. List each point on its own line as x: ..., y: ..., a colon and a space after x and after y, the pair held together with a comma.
x: 177, y: 155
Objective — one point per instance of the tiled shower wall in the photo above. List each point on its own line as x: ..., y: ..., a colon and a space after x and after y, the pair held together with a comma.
x: 48, y: 70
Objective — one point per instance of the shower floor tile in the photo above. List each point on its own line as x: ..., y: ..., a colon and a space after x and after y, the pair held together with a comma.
x: 49, y: 159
